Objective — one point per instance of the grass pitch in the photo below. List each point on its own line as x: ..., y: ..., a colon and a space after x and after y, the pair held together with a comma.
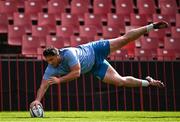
x: 114, y: 116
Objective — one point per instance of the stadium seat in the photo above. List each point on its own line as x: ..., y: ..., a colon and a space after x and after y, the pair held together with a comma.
x: 138, y: 20
x: 175, y: 32
x: 168, y: 8
x: 66, y: 32
x: 146, y: 8
x: 166, y: 54
x: 178, y: 20
x: 24, y: 20
x: 3, y: 23
x: 8, y: 8
x: 33, y: 7
x: 77, y: 40
x: 119, y: 55
x: 40, y: 53
x: 41, y: 32
x: 57, y: 7
x: 159, y: 35
x: 116, y: 20
x: 149, y: 43
x: 55, y: 41
x: 93, y: 20
x: 70, y: 20
x: 45, y: 19
x: 171, y: 43
x: 101, y: 8
x: 79, y: 7
x: 15, y: 34
x: 88, y: 31
x: 110, y: 32
x: 145, y: 54
x: 30, y: 44
x: 124, y: 8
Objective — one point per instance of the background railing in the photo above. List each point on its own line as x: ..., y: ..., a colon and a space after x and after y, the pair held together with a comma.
x: 21, y: 77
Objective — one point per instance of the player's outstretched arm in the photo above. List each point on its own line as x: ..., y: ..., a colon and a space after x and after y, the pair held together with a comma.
x: 134, y: 34
x: 40, y: 93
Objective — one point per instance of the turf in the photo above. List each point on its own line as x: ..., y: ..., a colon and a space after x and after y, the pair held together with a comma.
x: 120, y: 116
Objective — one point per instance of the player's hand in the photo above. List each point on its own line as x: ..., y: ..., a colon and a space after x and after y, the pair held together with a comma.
x: 53, y: 80
x: 35, y: 103
x: 160, y: 25
x: 153, y: 82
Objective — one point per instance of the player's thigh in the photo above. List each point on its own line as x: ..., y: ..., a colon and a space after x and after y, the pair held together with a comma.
x: 113, y: 77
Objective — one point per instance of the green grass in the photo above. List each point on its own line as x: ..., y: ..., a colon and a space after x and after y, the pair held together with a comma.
x: 114, y: 116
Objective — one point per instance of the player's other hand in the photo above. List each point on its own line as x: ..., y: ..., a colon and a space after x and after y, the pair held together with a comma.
x: 160, y: 25
x: 53, y: 80
x: 35, y: 103
x: 153, y: 82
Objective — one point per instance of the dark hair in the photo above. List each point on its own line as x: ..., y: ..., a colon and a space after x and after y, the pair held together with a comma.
x: 50, y: 51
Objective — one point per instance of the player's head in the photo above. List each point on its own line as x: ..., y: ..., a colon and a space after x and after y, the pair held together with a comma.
x: 51, y: 55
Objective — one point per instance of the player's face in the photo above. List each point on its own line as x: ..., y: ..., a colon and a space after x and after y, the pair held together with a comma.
x: 53, y: 60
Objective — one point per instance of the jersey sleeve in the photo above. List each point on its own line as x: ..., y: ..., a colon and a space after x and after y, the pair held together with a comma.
x: 48, y: 73
x: 71, y: 58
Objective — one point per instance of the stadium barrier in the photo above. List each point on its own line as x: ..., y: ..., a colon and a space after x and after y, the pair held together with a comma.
x: 21, y: 77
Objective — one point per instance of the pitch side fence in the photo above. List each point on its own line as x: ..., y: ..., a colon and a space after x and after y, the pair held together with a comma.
x: 20, y: 78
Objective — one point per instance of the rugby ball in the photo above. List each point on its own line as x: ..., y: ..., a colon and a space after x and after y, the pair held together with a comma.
x: 36, y: 111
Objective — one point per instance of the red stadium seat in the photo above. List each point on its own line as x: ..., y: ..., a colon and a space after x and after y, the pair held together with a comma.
x: 166, y: 54
x: 66, y: 32
x: 79, y: 7
x: 116, y: 20
x: 159, y: 35
x: 57, y: 7
x: 171, y: 43
x: 101, y: 8
x: 138, y: 20
x: 110, y: 32
x: 45, y: 19
x: 124, y: 8
x: 55, y: 41
x: 175, y: 32
x: 77, y: 40
x: 88, y: 31
x: 33, y: 7
x: 41, y: 32
x: 30, y: 44
x: 119, y: 55
x: 8, y: 8
x: 3, y: 23
x: 168, y: 8
x: 145, y: 54
x: 24, y: 20
x: 146, y: 8
x: 178, y: 20
x: 149, y: 43
x: 93, y: 20
x: 70, y: 20
x: 40, y: 54
x: 15, y: 34
x: 98, y: 37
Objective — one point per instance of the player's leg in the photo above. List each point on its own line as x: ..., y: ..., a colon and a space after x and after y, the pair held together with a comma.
x: 134, y: 34
x: 112, y: 77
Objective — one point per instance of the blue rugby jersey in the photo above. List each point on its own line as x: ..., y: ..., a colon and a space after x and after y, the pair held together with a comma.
x: 83, y: 54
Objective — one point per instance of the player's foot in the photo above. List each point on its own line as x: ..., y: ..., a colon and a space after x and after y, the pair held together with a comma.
x: 153, y: 82
x: 160, y: 25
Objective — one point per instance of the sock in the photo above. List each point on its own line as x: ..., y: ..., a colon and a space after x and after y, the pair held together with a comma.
x: 149, y: 27
x: 145, y: 83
